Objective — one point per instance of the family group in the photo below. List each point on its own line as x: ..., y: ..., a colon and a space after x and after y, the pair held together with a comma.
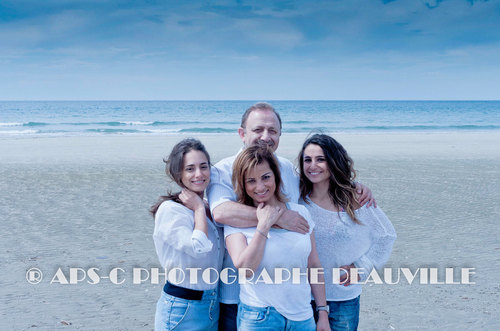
x: 263, y: 213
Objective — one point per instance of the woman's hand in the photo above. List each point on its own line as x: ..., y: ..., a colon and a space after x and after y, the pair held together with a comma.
x: 323, y: 324
x: 346, y: 277
x: 191, y: 200
x: 268, y: 216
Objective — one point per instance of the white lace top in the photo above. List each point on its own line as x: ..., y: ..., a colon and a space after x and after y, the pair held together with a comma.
x: 340, y: 242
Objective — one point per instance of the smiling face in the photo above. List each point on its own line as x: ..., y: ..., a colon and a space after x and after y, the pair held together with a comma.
x: 260, y: 183
x: 263, y: 125
x: 195, y: 171
x: 315, y: 164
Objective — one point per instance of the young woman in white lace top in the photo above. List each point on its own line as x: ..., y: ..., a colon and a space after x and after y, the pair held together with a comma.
x: 348, y: 236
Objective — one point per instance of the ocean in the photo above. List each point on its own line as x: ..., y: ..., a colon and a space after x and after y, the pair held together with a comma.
x: 70, y: 118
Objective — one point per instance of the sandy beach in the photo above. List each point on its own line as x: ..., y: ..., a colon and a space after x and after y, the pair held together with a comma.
x: 82, y: 202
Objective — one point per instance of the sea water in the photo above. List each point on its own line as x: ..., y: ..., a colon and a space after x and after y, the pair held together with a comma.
x: 69, y: 118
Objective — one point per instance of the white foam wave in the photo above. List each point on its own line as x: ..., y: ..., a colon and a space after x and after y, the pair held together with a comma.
x: 11, y: 124
x: 137, y: 123
x: 18, y: 132
x: 162, y: 131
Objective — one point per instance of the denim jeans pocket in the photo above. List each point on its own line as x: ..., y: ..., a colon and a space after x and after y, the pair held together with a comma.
x: 178, y: 310
x: 252, y: 314
x: 170, y: 311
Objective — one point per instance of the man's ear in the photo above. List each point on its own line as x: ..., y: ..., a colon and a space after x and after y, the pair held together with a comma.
x: 241, y: 132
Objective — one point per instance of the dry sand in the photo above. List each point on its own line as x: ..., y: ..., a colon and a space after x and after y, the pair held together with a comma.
x: 82, y: 202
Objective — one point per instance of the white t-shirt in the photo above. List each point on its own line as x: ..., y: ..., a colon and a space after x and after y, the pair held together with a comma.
x: 284, y: 249
x: 221, y: 190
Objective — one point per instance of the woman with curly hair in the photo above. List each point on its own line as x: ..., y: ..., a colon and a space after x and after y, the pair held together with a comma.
x: 351, y: 237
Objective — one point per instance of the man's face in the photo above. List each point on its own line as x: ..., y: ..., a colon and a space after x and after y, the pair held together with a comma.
x: 261, y: 125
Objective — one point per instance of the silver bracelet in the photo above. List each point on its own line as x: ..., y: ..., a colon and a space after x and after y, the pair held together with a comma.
x: 262, y: 233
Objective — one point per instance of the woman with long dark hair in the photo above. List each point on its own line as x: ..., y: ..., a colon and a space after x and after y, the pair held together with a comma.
x: 187, y: 241
x: 354, y: 238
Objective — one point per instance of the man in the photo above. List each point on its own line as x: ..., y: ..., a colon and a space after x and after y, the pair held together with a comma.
x: 260, y: 122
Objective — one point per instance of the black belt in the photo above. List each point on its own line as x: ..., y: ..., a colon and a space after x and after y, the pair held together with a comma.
x: 181, y: 292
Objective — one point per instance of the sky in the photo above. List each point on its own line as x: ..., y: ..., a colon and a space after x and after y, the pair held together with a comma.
x: 250, y: 50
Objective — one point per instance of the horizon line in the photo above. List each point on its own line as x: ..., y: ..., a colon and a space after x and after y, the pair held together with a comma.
x: 238, y: 100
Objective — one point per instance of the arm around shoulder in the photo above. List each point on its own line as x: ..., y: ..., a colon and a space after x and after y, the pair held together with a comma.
x: 235, y: 214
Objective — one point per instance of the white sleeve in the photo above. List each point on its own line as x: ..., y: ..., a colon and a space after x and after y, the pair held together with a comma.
x: 200, y: 242
x: 228, y: 230
x: 302, y: 210
x: 220, y: 189
x: 290, y: 180
x: 383, y: 237
x: 175, y: 227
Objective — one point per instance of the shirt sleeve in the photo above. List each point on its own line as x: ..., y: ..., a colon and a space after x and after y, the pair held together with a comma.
x: 290, y: 180
x: 200, y: 242
x: 175, y: 227
x: 220, y: 189
x: 306, y: 214
x: 228, y: 230
x: 383, y: 237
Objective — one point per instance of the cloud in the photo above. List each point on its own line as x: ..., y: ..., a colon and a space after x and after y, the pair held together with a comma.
x: 191, y: 40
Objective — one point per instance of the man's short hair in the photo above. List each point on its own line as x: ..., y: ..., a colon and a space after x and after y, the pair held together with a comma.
x: 259, y: 106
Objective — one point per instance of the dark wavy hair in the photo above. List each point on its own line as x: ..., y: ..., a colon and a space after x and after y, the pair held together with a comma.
x: 174, y: 166
x: 342, y: 189
x: 248, y: 159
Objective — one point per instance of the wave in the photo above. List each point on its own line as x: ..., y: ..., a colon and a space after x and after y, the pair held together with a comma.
x: 297, y: 122
x: 160, y: 123
x: 119, y: 123
x: 119, y: 128
x: 207, y: 130
x: 128, y: 131
x: 114, y: 131
x: 428, y: 127
x: 24, y: 124
x: 18, y: 132
x: 111, y: 123
x: 11, y: 124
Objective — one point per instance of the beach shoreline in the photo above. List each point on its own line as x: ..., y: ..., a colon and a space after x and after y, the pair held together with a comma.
x: 82, y: 202
x: 146, y: 148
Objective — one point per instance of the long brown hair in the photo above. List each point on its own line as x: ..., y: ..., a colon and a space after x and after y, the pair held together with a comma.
x: 174, y: 166
x: 342, y: 189
x: 248, y: 159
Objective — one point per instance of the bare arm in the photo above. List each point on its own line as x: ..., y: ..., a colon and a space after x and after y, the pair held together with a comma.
x: 318, y: 289
x: 235, y: 214
x: 250, y: 256
x: 242, y: 216
x: 365, y: 195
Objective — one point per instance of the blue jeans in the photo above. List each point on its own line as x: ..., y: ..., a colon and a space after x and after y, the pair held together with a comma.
x: 267, y: 318
x: 181, y: 314
x: 344, y: 315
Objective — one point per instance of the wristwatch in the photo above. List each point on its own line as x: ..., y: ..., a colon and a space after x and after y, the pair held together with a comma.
x: 325, y: 308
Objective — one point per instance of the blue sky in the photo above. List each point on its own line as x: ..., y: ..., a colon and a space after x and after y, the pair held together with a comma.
x: 250, y: 50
